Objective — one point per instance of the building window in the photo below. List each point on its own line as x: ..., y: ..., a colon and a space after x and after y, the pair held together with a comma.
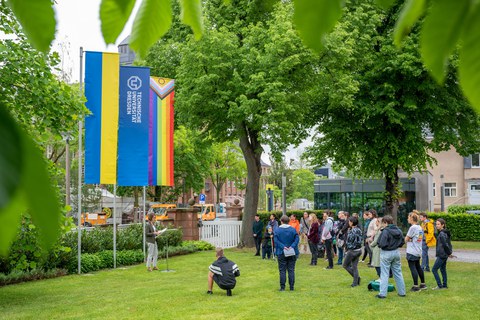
x: 476, y: 160
x: 450, y: 189
x: 433, y: 189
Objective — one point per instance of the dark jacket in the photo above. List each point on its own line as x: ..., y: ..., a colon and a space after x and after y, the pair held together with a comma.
x: 391, y: 238
x: 444, y: 246
x: 342, y: 228
x: 273, y: 224
x: 149, y: 233
x: 285, y: 236
x: 224, y: 273
x: 257, y: 228
x: 313, y: 236
x: 267, y: 240
x: 354, y: 239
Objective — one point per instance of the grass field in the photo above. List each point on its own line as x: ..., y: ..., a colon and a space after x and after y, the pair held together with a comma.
x: 133, y: 293
x: 466, y: 245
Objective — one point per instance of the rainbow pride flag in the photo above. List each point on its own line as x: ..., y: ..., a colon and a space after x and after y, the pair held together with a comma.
x: 160, y: 153
x: 101, y: 127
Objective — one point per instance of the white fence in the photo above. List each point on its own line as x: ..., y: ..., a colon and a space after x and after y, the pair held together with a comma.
x: 221, y: 233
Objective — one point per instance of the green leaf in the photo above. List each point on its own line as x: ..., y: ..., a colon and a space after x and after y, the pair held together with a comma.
x: 315, y: 19
x: 411, y: 11
x: 152, y: 21
x: 37, y: 19
x: 9, y: 219
x: 469, y: 65
x: 40, y: 194
x: 10, y: 157
x: 440, y: 33
x: 114, y: 15
x: 385, y: 3
x: 192, y: 16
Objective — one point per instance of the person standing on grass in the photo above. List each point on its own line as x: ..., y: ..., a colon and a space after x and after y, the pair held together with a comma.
x: 390, y: 240
x: 444, y: 250
x: 286, y: 239
x: 342, y: 229
x: 257, y: 233
x: 313, y: 239
x: 366, y: 247
x: 428, y: 240
x: 353, y: 246
x: 304, y: 228
x: 375, y: 248
x: 327, y: 237
x: 267, y: 243
x: 371, y: 233
x: 273, y: 222
x: 150, y: 234
x: 414, y: 252
x: 294, y: 223
x: 223, y: 272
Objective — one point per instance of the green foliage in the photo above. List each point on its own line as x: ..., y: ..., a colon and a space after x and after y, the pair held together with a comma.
x: 18, y: 276
x: 199, y: 245
x: 302, y: 184
x: 462, y: 208
x: 463, y: 227
x: 114, y: 14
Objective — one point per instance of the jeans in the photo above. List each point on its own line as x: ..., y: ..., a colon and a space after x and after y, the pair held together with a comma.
x: 287, y: 264
x: 340, y: 255
x: 440, y: 263
x: 314, y: 251
x: 258, y: 242
x: 266, y: 252
x: 351, y: 264
x: 391, y: 260
x: 416, y: 271
x: 329, y: 251
x: 425, y: 262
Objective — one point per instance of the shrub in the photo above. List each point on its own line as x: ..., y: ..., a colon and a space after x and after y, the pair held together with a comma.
x: 34, y: 274
x: 462, y: 208
x: 199, y: 245
x: 463, y: 227
x: 174, y: 238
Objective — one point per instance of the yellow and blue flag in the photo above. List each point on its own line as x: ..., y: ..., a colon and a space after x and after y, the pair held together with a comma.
x: 101, y: 127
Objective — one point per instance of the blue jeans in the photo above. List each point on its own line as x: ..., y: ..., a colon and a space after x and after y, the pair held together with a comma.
x: 425, y: 262
x: 340, y: 255
x: 287, y: 264
x: 391, y: 260
x: 440, y: 263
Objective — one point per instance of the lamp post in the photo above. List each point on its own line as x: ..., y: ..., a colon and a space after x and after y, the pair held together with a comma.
x: 66, y: 136
x: 442, y: 194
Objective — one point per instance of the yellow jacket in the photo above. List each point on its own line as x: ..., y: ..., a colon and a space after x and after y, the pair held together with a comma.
x: 429, y: 233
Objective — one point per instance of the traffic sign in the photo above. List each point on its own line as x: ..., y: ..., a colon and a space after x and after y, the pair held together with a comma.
x: 201, y: 198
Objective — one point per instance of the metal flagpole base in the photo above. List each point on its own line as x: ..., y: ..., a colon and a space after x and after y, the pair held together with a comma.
x: 168, y: 270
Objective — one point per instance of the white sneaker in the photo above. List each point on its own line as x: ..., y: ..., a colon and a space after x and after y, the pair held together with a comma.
x: 378, y: 280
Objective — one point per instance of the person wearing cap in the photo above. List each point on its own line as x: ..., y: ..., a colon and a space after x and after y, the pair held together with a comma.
x: 223, y: 272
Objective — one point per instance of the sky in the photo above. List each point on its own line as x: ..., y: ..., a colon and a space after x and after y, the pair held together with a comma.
x: 78, y: 25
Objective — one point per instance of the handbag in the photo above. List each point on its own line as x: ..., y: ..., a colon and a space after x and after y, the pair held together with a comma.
x: 340, y: 243
x: 288, y: 252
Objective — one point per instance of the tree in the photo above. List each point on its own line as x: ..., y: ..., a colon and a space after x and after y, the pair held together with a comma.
x: 248, y: 79
x: 302, y: 185
x: 226, y: 163
x: 383, y: 112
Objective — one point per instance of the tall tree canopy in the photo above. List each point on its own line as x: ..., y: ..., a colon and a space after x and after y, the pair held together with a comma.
x: 384, y: 112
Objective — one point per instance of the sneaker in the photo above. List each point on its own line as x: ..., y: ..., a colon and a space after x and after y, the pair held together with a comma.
x: 437, y: 288
x: 359, y: 279
x: 378, y: 280
x: 402, y: 295
x: 380, y: 297
x: 353, y: 285
x: 209, y: 292
x: 415, y: 289
x: 155, y: 268
x: 362, y: 261
x: 328, y: 268
x: 149, y: 269
x: 229, y: 292
x: 282, y: 289
x: 292, y: 288
x: 423, y: 286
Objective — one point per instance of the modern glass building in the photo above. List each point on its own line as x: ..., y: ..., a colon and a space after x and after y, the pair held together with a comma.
x: 361, y: 195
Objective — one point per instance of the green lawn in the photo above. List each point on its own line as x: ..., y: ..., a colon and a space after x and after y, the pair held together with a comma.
x: 133, y: 293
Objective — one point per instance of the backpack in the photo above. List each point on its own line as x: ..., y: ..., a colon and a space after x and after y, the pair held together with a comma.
x: 375, y: 286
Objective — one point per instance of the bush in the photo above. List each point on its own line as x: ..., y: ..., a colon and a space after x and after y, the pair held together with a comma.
x: 199, y: 245
x: 34, y: 274
x: 174, y: 238
x: 463, y: 227
x: 462, y: 208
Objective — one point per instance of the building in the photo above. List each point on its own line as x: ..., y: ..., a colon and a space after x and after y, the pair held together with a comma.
x: 459, y: 176
x: 127, y: 56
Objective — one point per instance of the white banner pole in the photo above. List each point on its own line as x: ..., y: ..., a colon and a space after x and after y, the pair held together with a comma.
x: 143, y: 221
x: 115, y: 226
x: 80, y: 165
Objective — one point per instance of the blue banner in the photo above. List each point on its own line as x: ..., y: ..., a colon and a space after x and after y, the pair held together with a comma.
x: 133, y: 126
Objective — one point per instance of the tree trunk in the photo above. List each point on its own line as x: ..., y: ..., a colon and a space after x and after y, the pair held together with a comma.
x: 252, y: 152
x: 391, y: 198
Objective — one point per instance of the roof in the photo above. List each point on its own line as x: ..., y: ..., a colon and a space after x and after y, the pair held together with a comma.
x: 125, y: 41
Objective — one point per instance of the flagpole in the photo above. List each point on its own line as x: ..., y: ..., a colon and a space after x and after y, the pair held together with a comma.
x: 80, y: 131
x: 115, y: 226
x: 143, y: 221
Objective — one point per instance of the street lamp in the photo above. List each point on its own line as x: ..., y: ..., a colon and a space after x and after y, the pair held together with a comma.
x: 67, y: 136
x: 442, y: 194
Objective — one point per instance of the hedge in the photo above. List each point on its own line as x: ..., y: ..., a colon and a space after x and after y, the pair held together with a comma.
x: 463, y: 227
x: 462, y: 208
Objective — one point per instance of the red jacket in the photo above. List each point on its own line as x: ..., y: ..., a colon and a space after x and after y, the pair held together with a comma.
x: 313, y: 233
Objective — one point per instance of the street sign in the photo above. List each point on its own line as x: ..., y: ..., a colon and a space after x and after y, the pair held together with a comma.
x: 201, y: 198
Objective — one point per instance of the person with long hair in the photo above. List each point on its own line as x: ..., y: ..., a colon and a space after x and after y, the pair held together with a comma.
x: 354, y: 250
x: 414, y: 252
x: 313, y: 238
x: 151, y: 233
x: 375, y: 248
x: 444, y: 250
